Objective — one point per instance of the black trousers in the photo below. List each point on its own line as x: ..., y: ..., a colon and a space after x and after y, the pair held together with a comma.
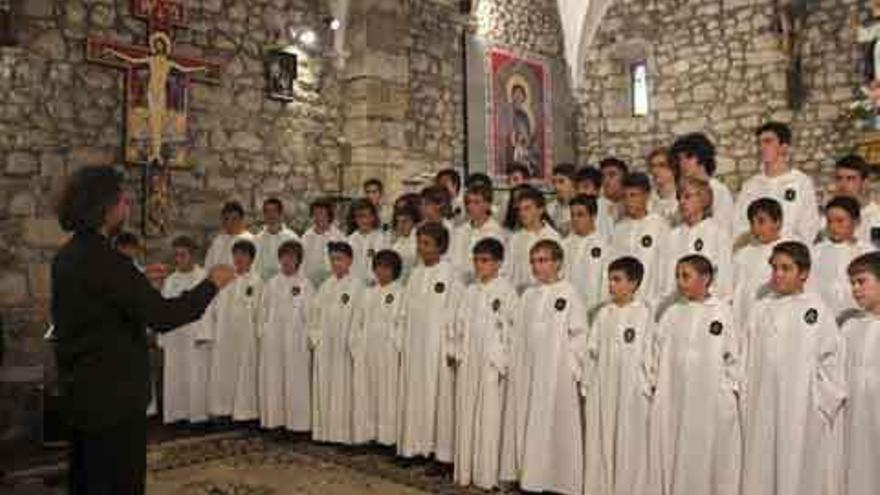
x: 110, y: 461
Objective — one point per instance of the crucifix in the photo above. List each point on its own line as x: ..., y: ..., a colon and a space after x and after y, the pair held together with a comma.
x: 156, y: 93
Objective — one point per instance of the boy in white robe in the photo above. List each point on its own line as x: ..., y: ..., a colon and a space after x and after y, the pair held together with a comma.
x: 185, y: 373
x: 285, y: 359
x: 851, y: 176
x: 640, y: 233
x: 406, y: 217
x: 316, y: 260
x: 273, y: 235
x: 333, y: 314
x: 694, y: 155
x: 611, y: 209
x: 230, y: 330
x: 587, y: 252
x: 479, y: 225
x: 751, y: 270
x: 795, y: 388
x: 549, y: 343
x: 564, y: 189
x: 832, y: 255
x: 450, y: 180
x: 862, y: 336
x: 234, y: 230
x: 696, y: 433
x: 617, y: 387
x: 698, y: 233
x: 426, y: 393
x: 664, y: 193
x: 482, y: 353
x: 366, y: 238
x: 374, y: 192
x: 376, y: 355
x: 531, y: 210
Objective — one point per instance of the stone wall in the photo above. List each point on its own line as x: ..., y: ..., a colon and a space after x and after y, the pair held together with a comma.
x: 717, y: 67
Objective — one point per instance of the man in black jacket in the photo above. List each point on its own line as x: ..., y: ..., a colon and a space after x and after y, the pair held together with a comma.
x: 101, y: 306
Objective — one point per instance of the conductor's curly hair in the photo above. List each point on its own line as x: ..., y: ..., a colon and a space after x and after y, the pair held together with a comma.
x: 86, y: 197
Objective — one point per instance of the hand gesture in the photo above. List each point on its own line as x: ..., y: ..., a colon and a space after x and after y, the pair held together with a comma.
x: 221, y: 275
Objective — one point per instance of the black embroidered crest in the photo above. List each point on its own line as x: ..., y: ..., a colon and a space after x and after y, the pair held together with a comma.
x: 560, y: 304
x: 698, y: 245
x: 647, y: 241
x: 249, y: 291
x: 811, y: 316
x: 439, y: 287
x: 295, y: 290
x: 345, y: 298
x: 496, y: 305
x: 596, y: 252
x: 371, y: 253
x: 790, y: 195
x: 629, y: 335
x: 716, y: 327
x: 389, y: 299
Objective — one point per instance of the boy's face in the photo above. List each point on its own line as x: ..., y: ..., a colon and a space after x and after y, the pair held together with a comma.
x: 403, y: 225
x: 620, y: 286
x: 691, y: 284
x: 384, y: 274
x: 242, y: 262
x: 373, y: 194
x: 612, y: 182
x: 321, y: 218
x: 429, y: 251
x: 866, y: 291
x: 587, y: 187
x: 340, y: 264
x: 772, y: 150
x: 691, y: 204
x: 448, y: 184
x: 486, y: 267
x: 271, y: 215
x: 635, y: 202
x: 364, y: 220
x: 786, y: 277
x: 690, y: 166
x: 661, y: 172
x: 477, y: 207
x: 529, y: 214
x: 432, y: 212
x: 233, y: 223
x: 183, y: 259
x: 848, y: 182
x: 765, y: 228
x: 544, y: 267
x: 841, y: 227
x: 516, y: 179
x: 581, y: 220
x: 563, y: 186
x: 289, y: 263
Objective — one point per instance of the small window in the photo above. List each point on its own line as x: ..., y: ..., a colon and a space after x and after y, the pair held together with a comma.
x: 639, y: 88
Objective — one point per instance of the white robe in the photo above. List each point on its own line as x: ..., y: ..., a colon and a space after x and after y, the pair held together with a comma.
x: 185, y: 393
x: 862, y: 415
x: 828, y: 276
x: 586, y: 266
x: 465, y: 237
x: 696, y: 434
x: 231, y: 331
x: 517, y: 266
x: 794, y: 393
x: 364, y: 248
x: 665, y: 207
x: 376, y: 365
x: 708, y: 238
x: 870, y: 222
x: 643, y: 239
x: 482, y: 354
x: 751, y: 274
x: 560, y: 213
x: 549, y: 343
x: 333, y: 314
x: 795, y: 192
x: 220, y: 251
x: 405, y: 247
x: 618, y: 399
x: 607, y: 215
x: 426, y: 388
x: 316, y: 260
x: 722, y: 204
x: 285, y: 359
x: 266, y: 262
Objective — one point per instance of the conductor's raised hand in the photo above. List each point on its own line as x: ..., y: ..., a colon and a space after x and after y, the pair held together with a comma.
x: 221, y: 275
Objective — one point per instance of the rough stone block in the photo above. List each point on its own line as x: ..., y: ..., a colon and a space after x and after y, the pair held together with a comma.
x: 43, y: 233
x: 21, y: 164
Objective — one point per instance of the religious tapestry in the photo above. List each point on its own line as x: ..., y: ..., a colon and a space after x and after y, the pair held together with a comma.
x: 520, y: 106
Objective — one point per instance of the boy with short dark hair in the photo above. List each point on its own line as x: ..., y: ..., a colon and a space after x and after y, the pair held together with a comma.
x: 233, y: 230
x: 588, y: 252
x: 614, y: 171
x: 664, y: 173
x: 564, y: 190
x: 316, y: 261
x: 479, y: 225
x: 588, y: 181
x: 374, y: 192
x: 450, y: 179
x: 851, y: 175
x: 694, y: 154
x: 275, y: 233
x: 751, y: 272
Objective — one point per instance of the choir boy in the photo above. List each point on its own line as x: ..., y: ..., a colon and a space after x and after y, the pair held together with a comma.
x: 403, y: 242
x: 450, y: 180
x: 564, y: 189
x: 614, y: 171
x: 751, y: 269
x: 234, y: 230
x: 851, y: 174
x: 366, y: 238
x: 588, y: 180
x: 274, y: 234
x: 479, y: 225
x: 534, y: 226
x: 316, y: 261
x: 517, y: 175
x: 694, y: 155
x: 587, y: 252
x: 664, y: 173
x: 374, y: 192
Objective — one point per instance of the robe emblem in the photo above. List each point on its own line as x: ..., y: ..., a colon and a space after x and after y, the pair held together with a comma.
x: 389, y: 298
x: 496, y: 305
x: 439, y: 287
x: 629, y: 335
x: 716, y: 327
x: 596, y: 252
x: 560, y: 304
x: 295, y: 290
x: 249, y: 291
x: 698, y: 245
x: 647, y: 241
x: 811, y: 316
x: 345, y: 298
x: 790, y: 194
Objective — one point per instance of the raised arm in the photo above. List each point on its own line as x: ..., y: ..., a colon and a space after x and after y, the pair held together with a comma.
x: 127, y: 58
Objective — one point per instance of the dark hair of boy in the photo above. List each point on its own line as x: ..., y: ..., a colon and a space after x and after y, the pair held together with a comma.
x: 231, y: 207
x: 698, y: 145
x: 866, y: 263
x: 323, y: 204
x: 797, y: 251
x: 374, y: 183
x: 126, y: 239
x: 769, y: 206
x: 614, y: 162
x: 437, y: 232
x: 529, y: 193
x: 391, y: 259
x: 589, y: 174
x: 850, y: 205
x: 490, y: 246
x: 245, y: 247
x: 780, y: 130
x: 406, y: 209
x: 478, y: 178
x: 700, y: 264
x: 551, y: 247
x: 519, y: 168
x: 588, y: 202
x: 340, y: 247
x: 437, y: 195
x: 358, y: 205
x: 293, y: 248
x: 630, y: 267
x: 637, y: 180
x: 511, y: 217
x: 854, y: 162
x: 481, y: 190
x: 565, y: 170
x: 185, y: 242
x: 274, y: 202
x: 452, y: 175
x: 413, y: 200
